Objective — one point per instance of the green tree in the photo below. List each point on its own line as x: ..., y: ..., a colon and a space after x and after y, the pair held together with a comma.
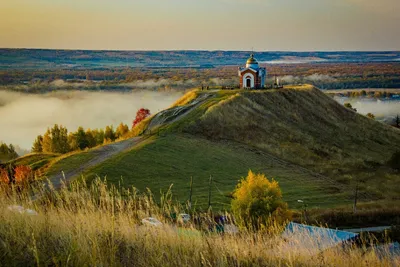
x: 73, y: 144
x: 98, y: 136
x: 109, y: 134
x: 55, y: 140
x: 90, y: 137
x: 81, y: 139
x: 256, y: 200
x: 37, y: 144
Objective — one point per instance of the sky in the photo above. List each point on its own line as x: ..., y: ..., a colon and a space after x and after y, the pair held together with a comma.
x: 262, y: 25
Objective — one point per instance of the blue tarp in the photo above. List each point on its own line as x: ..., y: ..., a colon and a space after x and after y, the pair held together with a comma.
x: 314, y: 239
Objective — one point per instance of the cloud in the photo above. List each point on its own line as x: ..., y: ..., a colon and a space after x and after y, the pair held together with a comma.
x: 24, y: 116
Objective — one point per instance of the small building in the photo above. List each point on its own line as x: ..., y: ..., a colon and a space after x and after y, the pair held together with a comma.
x: 252, y: 76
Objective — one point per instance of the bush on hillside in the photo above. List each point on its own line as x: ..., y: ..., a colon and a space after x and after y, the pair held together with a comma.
x: 257, y: 201
x: 349, y: 106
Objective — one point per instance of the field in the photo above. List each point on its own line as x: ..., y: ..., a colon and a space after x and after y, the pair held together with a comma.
x: 89, y: 225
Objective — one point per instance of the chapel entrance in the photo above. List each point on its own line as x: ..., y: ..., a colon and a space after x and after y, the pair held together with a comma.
x: 248, y: 82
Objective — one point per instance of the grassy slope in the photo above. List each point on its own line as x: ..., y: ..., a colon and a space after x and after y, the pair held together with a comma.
x: 173, y: 159
x: 69, y: 162
x: 247, y: 130
x: 306, y: 127
x: 34, y: 160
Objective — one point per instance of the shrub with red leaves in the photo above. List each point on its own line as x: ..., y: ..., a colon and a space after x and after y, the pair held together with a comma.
x: 23, y: 174
x: 4, y: 179
x: 142, y: 114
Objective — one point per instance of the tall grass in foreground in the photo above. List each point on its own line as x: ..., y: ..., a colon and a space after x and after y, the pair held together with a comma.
x: 97, y: 225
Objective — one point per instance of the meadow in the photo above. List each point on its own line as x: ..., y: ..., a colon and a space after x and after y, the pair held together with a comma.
x: 100, y: 225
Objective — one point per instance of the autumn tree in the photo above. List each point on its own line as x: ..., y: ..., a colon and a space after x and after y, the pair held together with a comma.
x: 55, y: 140
x: 47, y: 142
x: 257, y: 200
x: 122, y: 130
x: 141, y: 115
x: 73, y: 144
x: 109, y: 134
x: 37, y: 144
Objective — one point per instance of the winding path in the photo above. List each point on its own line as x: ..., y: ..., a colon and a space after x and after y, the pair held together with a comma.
x: 101, y: 154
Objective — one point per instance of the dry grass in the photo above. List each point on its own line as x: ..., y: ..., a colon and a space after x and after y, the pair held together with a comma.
x: 96, y: 225
x: 186, y: 98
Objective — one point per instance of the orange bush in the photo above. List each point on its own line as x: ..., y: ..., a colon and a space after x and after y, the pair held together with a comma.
x: 23, y: 174
x: 4, y: 179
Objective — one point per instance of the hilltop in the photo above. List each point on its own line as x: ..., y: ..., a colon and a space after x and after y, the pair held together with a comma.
x: 315, y: 148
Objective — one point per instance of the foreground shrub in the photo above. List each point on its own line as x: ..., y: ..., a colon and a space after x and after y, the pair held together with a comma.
x: 258, y: 200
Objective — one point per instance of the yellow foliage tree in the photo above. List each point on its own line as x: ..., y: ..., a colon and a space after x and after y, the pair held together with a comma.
x: 257, y: 200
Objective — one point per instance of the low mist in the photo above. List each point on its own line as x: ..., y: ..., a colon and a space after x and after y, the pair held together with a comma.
x: 24, y: 116
x: 381, y: 109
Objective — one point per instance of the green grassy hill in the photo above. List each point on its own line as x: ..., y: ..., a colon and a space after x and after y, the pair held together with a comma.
x: 315, y: 148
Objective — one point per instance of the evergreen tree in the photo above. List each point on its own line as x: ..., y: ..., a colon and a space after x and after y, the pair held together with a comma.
x: 11, y: 151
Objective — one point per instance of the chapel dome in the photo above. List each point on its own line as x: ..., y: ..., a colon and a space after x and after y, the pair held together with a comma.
x: 252, y: 60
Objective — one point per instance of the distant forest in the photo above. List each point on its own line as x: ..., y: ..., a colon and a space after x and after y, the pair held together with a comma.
x: 46, y: 70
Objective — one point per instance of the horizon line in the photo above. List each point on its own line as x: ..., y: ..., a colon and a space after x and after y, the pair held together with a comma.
x: 196, y: 50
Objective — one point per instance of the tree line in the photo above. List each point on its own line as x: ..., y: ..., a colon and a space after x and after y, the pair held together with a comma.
x: 58, y: 140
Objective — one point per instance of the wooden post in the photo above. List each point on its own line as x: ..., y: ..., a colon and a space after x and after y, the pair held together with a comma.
x: 190, y: 192
x: 209, y: 192
x: 355, y: 199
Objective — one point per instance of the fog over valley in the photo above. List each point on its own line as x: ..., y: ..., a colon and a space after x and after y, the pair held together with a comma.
x: 24, y: 116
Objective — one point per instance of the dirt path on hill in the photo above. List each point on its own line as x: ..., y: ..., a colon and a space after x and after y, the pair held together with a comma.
x: 101, y: 154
